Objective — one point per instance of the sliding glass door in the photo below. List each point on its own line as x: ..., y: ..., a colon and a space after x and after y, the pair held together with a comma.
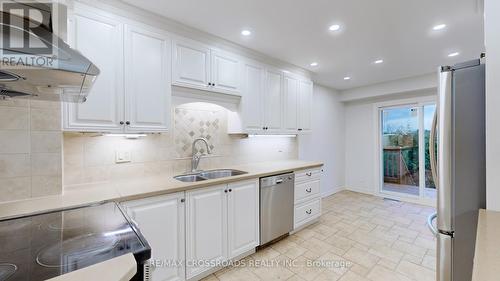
x: 404, y: 150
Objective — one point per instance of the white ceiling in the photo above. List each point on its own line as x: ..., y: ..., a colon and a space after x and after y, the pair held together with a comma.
x: 296, y: 31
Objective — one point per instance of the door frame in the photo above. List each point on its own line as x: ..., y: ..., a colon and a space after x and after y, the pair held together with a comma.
x: 419, y: 102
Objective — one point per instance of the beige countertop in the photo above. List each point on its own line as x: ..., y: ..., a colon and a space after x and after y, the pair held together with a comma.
x: 487, y: 253
x: 129, y: 189
x: 121, y: 268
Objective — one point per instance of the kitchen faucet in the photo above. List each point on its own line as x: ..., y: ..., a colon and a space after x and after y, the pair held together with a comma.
x: 195, y: 160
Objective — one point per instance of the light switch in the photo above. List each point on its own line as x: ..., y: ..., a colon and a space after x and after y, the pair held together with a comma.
x: 123, y: 156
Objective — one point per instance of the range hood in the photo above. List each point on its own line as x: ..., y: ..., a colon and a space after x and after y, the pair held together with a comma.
x: 63, y: 74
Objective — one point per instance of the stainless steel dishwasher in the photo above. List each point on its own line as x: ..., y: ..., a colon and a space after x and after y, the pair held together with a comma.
x: 276, y: 206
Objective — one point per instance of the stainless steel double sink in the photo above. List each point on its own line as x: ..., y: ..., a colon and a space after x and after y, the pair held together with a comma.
x: 208, y: 175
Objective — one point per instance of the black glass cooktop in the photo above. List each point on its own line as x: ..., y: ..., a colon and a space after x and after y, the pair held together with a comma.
x: 48, y: 245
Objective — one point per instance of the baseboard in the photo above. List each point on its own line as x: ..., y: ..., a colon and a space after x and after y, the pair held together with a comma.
x: 331, y: 192
x: 360, y: 190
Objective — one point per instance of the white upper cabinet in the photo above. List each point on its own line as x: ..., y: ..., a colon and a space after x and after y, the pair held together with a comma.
x: 243, y: 217
x: 305, y: 105
x: 133, y: 91
x: 101, y: 40
x: 191, y: 64
x: 273, y: 101
x: 291, y: 102
x: 206, y: 228
x: 226, y: 71
x: 147, y: 80
x: 198, y: 66
x: 252, y: 100
x: 161, y: 220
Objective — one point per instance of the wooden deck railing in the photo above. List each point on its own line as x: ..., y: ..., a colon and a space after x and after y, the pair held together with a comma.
x: 395, y: 168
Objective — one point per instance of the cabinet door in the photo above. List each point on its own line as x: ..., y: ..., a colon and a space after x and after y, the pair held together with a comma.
x: 191, y: 64
x: 206, y: 228
x: 243, y: 217
x: 101, y: 40
x: 147, y: 80
x: 252, y: 100
x: 161, y: 220
x: 291, y: 98
x: 226, y: 72
x: 273, y: 100
x: 305, y: 105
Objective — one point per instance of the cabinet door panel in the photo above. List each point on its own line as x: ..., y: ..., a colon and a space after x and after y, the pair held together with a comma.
x: 252, y: 99
x: 206, y: 228
x: 147, y: 83
x: 305, y: 105
x: 243, y: 217
x: 161, y: 220
x: 191, y: 64
x: 225, y: 72
x: 273, y: 100
x: 291, y: 97
x: 101, y: 40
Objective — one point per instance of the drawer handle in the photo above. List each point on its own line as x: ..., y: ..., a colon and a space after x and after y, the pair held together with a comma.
x: 308, y: 190
x: 309, y: 174
x: 309, y: 211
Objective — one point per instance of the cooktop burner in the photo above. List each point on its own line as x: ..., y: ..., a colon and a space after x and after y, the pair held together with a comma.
x: 7, y: 270
x: 77, y: 249
x: 47, y: 245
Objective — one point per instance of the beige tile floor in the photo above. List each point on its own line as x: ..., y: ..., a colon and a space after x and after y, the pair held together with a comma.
x: 359, y: 237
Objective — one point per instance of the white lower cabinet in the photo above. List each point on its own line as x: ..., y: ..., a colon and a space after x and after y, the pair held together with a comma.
x: 222, y: 222
x: 307, y: 197
x: 243, y: 217
x: 206, y: 228
x: 161, y: 220
x: 194, y: 232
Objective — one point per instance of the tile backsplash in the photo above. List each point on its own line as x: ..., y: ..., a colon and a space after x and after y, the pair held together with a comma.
x: 89, y: 158
x: 30, y: 149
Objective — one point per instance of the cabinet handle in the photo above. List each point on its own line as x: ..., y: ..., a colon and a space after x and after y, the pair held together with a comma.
x: 127, y: 123
x: 183, y: 200
x: 230, y: 190
x: 121, y: 122
x: 225, y: 191
x: 309, y: 211
x: 299, y: 129
x: 308, y: 190
x: 309, y: 174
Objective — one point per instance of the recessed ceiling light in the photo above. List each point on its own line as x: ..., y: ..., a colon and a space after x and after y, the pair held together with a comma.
x: 439, y: 27
x: 378, y: 61
x: 246, y: 32
x: 454, y: 54
x: 334, y: 27
x: 314, y: 64
x: 347, y: 78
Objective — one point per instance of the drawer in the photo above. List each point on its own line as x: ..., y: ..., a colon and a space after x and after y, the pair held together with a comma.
x: 309, y: 174
x: 307, y: 211
x: 306, y: 190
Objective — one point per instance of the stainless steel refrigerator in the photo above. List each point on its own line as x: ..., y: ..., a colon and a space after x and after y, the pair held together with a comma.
x: 460, y: 169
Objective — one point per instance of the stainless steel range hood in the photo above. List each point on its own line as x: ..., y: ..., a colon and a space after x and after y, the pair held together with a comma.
x: 62, y: 73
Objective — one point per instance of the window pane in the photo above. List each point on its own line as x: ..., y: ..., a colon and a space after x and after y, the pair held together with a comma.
x: 400, y: 150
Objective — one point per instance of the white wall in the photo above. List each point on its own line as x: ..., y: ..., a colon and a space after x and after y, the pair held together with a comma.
x: 326, y: 142
x: 417, y: 85
x: 359, y: 154
x: 492, y: 42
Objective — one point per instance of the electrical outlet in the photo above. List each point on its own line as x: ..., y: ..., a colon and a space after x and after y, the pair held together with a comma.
x: 123, y: 156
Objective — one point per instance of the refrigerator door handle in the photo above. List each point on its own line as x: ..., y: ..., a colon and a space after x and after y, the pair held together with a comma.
x: 444, y: 258
x: 432, y: 150
x: 430, y: 223
x: 445, y: 202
